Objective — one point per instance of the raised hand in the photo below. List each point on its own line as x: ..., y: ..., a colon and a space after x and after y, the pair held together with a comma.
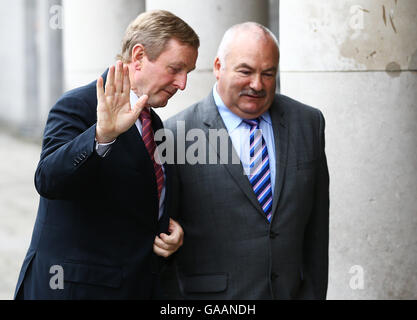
x: 114, y: 113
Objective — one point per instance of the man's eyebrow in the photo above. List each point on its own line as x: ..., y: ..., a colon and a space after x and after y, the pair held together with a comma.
x: 274, y: 69
x: 243, y: 65
x: 178, y: 64
x: 182, y: 65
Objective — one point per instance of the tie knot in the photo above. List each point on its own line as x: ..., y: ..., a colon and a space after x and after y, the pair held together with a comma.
x: 145, y: 114
x: 252, y: 122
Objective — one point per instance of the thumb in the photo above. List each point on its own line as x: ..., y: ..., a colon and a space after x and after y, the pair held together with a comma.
x: 140, y: 104
x: 163, y: 236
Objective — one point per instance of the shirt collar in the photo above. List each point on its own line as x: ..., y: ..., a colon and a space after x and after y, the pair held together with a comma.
x: 133, y: 98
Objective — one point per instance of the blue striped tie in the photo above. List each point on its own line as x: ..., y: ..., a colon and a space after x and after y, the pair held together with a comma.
x: 260, y: 175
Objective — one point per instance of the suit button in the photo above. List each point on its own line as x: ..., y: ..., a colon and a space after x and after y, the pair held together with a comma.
x: 274, y: 276
x: 273, y: 234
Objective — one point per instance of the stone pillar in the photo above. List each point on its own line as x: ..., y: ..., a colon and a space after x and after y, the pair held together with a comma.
x: 273, y: 25
x: 93, y: 32
x: 210, y: 19
x: 31, y: 69
x: 356, y: 60
x: 51, y: 69
x: 12, y: 30
x: 32, y: 63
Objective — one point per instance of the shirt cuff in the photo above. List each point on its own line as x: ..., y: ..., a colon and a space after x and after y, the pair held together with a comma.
x: 103, y: 149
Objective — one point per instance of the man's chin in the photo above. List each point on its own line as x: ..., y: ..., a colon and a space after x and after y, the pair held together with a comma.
x: 250, y: 110
x: 158, y: 104
x: 253, y: 108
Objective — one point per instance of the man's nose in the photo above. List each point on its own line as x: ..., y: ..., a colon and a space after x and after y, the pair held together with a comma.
x: 181, y: 81
x: 256, y: 82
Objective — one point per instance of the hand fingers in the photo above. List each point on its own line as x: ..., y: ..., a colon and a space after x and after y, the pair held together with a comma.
x: 175, y: 229
x: 119, y: 77
x: 126, y: 80
x: 140, y: 105
x: 161, y: 244
x: 174, y: 239
x: 165, y: 245
x: 110, y: 81
x: 100, y: 90
x: 173, y: 225
x: 168, y: 242
x: 162, y: 252
x: 162, y: 249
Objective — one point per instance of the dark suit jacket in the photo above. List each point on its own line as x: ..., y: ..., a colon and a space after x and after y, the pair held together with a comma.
x: 230, y: 250
x: 97, y: 217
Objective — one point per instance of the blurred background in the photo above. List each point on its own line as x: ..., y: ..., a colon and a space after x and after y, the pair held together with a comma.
x: 355, y: 60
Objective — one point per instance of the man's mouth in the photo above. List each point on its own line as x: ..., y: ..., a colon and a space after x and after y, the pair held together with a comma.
x: 252, y: 96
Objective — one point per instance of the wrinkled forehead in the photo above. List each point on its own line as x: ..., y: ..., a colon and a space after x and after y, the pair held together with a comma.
x: 252, y: 46
x: 179, y: 54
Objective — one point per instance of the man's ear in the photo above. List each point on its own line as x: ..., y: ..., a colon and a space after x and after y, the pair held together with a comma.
x: 216, y: 68
x: 138, y: 53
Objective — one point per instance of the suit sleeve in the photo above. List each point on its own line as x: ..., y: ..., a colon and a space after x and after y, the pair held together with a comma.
x: 68, y: 160
x: 316, y: 241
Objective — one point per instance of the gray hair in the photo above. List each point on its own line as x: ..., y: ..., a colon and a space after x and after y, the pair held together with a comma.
x: 230, y: 34
x: 153, y: 29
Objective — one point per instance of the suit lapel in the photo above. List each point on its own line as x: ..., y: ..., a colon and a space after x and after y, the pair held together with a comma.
x: 212, y: 120
x: 135, y: 144
x: 280, y: 129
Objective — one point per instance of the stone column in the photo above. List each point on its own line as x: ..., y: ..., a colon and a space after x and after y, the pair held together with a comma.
x: 32, y: 63
x: 31, y: 71
x: 356, y: 60
x: 273, y: 25
x: 51, y: 69
x: 12, y: 83
x: 93, y: 32
x: 209, y: 19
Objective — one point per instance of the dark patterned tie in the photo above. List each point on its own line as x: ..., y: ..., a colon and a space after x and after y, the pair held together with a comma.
x: 148, y: 139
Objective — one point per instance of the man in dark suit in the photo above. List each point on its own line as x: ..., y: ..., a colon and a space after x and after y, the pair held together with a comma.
x: 255, y: 228
x: 104, y: 208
